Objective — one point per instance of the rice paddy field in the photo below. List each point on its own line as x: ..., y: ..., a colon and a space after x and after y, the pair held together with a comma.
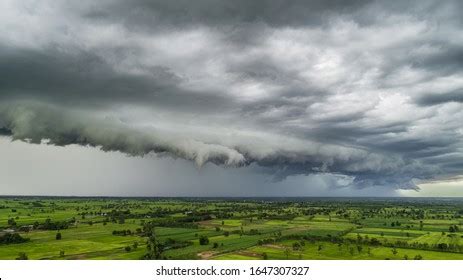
x: 230, y: 229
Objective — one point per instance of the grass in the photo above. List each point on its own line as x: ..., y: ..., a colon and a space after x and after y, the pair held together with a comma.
x: 238, y: 229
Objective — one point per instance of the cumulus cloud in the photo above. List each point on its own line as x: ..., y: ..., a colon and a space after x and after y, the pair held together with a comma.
x: 364, y: 89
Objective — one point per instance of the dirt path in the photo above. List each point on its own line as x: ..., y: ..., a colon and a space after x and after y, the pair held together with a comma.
x: 249, y: 254
x: 274, y: 246
x: 206, y: 255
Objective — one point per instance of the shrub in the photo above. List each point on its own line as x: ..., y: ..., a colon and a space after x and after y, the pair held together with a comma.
x: 22, y: 256
x: 12, y: 238
x: 203, y: 240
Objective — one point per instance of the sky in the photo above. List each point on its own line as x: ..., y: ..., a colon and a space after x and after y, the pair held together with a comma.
x: 231, y: 98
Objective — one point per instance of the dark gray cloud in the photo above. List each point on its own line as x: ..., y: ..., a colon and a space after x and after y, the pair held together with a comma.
x: 277, y: 13
x: 436, y: 98
x: 370, y: 90
x: 80, y: 77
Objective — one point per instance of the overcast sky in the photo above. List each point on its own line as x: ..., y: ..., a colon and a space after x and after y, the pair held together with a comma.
x: 240, y: 98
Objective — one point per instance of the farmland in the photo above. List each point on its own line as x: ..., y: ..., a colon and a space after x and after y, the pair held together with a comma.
x: 212, y: 228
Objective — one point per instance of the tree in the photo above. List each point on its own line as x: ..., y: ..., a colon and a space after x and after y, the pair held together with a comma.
x: 58, y: 236
x: 287, y: 252
x: 61, y: 253
x: 215, y: 245
x: 442, y: 246
x: 264, y: 256
x: 128, y: 248
x: 153, y: 246
x: 203, y: 240
x: 296, y: 246
x: 418, y: 257
x: 22, y: 256
x: 11, y: 222
x: 12, y: 238
x: 394, y: 251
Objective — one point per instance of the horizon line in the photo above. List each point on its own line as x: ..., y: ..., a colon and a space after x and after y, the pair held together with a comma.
x: 223, y: 197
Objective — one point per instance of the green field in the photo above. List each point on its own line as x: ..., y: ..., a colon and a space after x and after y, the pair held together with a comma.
x: 155, y: 228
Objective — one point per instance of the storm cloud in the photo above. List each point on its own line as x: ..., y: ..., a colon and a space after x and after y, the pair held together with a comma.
x: 365, y: 90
